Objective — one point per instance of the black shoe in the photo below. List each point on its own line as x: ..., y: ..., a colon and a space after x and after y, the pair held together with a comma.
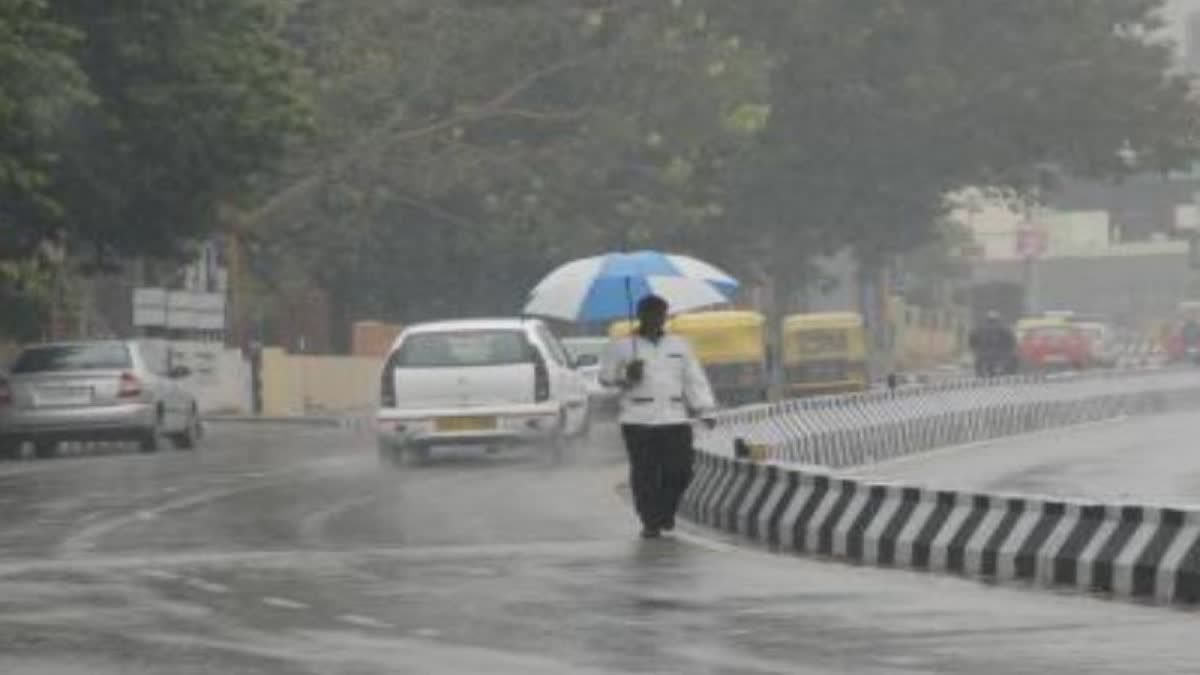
x: 669, y: 526
x: 651, y: 533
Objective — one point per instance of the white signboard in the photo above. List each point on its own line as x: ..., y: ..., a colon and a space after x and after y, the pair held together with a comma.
x: 149, y: 307
x: 158, y: 308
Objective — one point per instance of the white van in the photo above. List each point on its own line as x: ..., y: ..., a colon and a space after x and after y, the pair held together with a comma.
x: 487, y: 382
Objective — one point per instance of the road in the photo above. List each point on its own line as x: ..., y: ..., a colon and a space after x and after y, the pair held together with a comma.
x: 1152, y: 460
x: 289, y: 551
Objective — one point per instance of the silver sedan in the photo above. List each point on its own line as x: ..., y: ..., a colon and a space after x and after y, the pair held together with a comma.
x: 89, y: 391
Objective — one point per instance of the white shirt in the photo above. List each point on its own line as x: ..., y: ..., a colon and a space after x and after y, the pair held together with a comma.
x: 673, y: 381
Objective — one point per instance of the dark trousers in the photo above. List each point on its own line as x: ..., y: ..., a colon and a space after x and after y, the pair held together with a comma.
x: 660, y: 469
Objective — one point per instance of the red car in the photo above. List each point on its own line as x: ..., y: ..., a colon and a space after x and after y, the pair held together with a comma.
x: 1055, y: 347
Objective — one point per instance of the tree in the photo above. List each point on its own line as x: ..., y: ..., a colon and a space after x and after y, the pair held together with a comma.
x: 195, y: 102
x: 41, y: 85
x: 466, y: 147
x: 880, y: 110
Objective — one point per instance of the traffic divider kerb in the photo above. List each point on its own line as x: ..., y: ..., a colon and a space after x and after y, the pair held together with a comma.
x: 357, y: 423
x: 842, y: 431
x: 1127, y: 550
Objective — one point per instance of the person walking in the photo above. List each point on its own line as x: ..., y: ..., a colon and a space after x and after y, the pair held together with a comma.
x: 663, y: 387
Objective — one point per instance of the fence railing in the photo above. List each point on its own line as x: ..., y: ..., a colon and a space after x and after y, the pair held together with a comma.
x: 848, y: 430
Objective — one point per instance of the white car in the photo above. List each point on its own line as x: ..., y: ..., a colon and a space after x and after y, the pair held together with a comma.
x: 586, y: 352
x: 486, y: 382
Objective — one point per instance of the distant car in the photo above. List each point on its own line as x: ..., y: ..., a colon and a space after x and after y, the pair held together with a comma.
x: 494, y: 383
x: 1058, y: 347
x: 102, y: 390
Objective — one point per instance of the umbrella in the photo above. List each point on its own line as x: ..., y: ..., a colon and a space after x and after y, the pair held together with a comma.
x: 606, y: 287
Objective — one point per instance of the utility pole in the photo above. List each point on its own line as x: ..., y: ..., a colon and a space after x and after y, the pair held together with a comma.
x: 234, y: 295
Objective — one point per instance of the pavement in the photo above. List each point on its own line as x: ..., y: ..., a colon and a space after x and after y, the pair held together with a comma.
x: 1152, y: 460
x: 288, y: 550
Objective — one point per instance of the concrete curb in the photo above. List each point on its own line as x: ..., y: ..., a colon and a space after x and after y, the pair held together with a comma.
x: 1129, y: 551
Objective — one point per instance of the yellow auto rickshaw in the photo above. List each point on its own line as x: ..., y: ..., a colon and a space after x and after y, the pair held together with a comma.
x: 824, y: 353
x: 732, y: 347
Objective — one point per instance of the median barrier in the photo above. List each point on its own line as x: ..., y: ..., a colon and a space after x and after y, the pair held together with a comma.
x: 849, y: 430
x: 766, y: 473
x: 1126, y: 550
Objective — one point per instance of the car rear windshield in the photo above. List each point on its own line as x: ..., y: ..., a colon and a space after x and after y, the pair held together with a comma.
x: 463, y: 349
x: 52, y: 358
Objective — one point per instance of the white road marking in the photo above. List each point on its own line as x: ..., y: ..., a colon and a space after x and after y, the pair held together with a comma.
x: 284, y: 603
x: 364, y: 621
x: 161, y: 574
x: 208, y: 586
x: 544, y: 549
x: 427, y: 632
x: 86, y: 539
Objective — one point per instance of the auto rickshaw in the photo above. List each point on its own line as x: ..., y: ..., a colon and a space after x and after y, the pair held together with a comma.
x: 730, y: 345
x: 824, y: 353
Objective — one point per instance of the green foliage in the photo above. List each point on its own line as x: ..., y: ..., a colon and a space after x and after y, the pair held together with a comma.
x: 195, y: 99
x: 124, y: 125
x: 879, y: 110
x: 461, y: 148
x: 25, y: 294
x: 467, y: 147
x: 39, y: 85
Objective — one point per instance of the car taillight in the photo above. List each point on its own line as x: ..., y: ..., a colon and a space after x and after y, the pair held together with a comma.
x: 541, y: 378
x: 387, y: 386
x: 129, y: 386
x: 6, y: 397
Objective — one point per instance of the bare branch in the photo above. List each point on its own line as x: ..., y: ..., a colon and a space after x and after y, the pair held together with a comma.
x: 495, y: 106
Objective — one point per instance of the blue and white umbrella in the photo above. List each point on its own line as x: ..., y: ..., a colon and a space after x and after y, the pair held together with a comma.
x: 606, y: 287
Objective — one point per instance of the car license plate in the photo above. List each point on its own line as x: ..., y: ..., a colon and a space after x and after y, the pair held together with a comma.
x: 452, y: 424
x: 64, y: 396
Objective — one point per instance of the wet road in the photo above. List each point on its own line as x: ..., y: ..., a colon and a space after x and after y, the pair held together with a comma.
x: 288, y: 551
x: 1153, y: 460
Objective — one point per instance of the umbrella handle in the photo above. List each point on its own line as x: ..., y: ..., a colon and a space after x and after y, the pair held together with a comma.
x: 629, y: 304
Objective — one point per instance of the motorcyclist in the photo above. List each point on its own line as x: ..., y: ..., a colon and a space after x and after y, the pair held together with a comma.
x: 994, y: 347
